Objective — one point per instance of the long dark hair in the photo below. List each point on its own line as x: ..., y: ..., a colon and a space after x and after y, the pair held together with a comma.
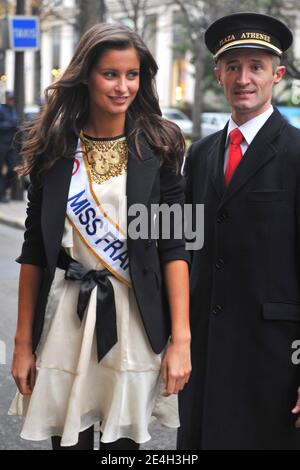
x: 66, y: 110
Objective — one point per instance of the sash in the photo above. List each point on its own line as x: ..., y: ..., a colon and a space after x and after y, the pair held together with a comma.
x: 103, y: 237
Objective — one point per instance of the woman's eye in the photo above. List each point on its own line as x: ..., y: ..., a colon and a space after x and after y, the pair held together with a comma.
x: 133, y: 74
x: 109, y: 74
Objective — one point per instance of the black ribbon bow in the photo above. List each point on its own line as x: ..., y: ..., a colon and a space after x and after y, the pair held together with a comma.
x: 106, y: 323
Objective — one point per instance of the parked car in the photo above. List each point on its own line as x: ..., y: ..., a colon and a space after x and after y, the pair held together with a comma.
x: 291, y: 114
x: 181, y: 119
x: 213, y: 122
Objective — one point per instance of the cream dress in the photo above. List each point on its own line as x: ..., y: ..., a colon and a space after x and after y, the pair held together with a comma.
x: 73, y: 391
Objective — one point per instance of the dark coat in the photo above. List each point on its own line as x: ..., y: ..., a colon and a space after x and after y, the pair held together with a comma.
x: 148, y: 182
x: 8, y: 125
x: 245, y: 295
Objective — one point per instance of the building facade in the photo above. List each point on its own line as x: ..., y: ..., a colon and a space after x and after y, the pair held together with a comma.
x: 59, y: 35
x: 158, y: 23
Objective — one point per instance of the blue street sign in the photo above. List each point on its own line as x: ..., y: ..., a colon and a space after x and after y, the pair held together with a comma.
x: 24, y: 33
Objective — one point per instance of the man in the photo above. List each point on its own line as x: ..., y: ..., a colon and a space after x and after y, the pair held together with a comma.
x: 245, y: 282
x: 8, y: 155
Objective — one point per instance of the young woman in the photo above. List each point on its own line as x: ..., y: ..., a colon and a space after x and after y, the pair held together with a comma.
x: 103, y: 329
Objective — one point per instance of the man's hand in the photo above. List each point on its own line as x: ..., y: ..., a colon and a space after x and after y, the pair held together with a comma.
x: 296, y: 409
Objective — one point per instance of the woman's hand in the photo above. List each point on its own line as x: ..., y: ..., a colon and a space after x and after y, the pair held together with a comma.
x: 296, y: 409
x: 176, y: 366
x: 24, y: 369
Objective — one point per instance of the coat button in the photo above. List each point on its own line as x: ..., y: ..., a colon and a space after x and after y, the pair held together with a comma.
x: 220, y: 263
x: 145, y: 270
x: 148, y: 243
x: 217, y: 309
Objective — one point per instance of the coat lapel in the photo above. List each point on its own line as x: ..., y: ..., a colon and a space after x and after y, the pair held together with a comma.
x: 216, y: 162
x: 141, y: 171
x: 262, y: 149
x: 55, y: 195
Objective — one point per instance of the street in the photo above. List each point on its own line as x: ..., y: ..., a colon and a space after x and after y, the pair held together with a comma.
x: 10, y: 245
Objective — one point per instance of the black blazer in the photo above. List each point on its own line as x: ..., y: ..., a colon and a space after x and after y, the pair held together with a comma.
x: 148, y: 182
x: 245, y: 295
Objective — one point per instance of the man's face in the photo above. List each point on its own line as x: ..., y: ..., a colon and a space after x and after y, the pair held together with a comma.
x: 248, y: 77
x: 10, y: 101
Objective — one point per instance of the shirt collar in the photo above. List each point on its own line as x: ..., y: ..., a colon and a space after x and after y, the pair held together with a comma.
x: 250, y: 128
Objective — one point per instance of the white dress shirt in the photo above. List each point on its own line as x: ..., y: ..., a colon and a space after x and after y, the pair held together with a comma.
x: 249, y: 130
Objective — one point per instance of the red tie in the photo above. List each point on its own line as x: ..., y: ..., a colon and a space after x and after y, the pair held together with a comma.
x: 235, y: 154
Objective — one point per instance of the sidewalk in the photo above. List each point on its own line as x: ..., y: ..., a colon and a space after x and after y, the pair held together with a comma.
x: 13, y: 213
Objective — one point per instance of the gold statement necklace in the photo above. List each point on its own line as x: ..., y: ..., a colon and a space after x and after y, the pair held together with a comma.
x: 107, y: 157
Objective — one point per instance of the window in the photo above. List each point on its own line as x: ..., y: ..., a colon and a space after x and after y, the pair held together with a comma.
x: 149, y: 32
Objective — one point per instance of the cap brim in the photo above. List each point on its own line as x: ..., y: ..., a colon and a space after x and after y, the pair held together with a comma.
x: 247, y: 46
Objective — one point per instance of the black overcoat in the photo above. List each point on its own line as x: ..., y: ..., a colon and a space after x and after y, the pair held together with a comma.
x: 245, y: 295
x: 148, y: 182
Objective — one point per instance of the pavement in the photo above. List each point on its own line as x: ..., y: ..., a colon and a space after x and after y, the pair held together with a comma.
x: 13, y: 213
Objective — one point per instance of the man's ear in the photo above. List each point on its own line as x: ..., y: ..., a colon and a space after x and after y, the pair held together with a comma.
x: 218, y: 75
x: 280, y: 71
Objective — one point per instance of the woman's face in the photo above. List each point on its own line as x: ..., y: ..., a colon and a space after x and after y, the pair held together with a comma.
x: 114, y: 81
